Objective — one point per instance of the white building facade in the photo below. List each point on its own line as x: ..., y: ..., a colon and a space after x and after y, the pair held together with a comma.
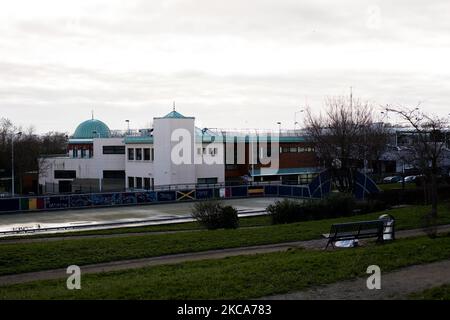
x: 173, y: 152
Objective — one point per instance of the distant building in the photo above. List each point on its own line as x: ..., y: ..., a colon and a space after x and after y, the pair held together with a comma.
x: 99, y: 159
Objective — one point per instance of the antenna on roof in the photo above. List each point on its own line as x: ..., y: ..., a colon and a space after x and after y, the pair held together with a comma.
x: 174, y: 106
x: 92, y: 112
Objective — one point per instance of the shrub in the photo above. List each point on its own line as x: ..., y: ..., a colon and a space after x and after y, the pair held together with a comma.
x: 230, y: 218
x: 288, y: 211
x: 213, y: 215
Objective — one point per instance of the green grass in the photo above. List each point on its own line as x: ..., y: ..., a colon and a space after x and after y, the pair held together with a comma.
x: 27, y: 257
x: 241, y: 277
x: 438, y: 293
x: 396, y: 186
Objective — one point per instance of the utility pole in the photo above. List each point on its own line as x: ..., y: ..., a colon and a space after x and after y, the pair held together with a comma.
x: 13, y: 191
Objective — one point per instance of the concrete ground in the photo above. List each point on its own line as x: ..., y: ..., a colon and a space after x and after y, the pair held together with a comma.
x: 155, y: 212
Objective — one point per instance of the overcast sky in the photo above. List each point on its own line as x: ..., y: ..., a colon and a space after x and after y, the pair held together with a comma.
x: 231, y: 64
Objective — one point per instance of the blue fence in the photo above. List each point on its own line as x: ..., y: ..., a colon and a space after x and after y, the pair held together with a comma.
x: 79, y: 201
x: 317, y: 189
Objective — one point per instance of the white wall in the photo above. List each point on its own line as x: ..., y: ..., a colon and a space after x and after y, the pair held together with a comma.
x: 166, y: 171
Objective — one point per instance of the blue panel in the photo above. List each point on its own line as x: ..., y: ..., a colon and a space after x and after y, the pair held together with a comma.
x: 145, y: 197
x: 205, y: 194
x: 239, y: 191
x: 80, y: 201
x: 285, y: 191
x: 9, y: 204
x: 271, y: 190
x: 129, y: 198
x: 364, y: 186
x: 321, y: 185
x: 57, y: 202
x: 167, y: 196
x: 107, y: 199
x: 297, y: 191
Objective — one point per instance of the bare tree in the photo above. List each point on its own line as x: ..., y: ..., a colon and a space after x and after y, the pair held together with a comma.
x: 345, y: 135
x: 426, y: 152
x: 28, y: 149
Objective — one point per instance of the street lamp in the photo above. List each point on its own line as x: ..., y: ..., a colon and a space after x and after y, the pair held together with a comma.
x: 12, y: 162
x: 128, y: 126
x: 279, y: 127
x: 295, y: 117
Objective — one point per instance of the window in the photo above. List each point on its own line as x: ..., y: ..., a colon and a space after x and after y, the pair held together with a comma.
x: 114, y: 149
x: 138, y: 154
x: 147, y: 154
x: 131, y: 182
x: 113, y: 174
x: 153, y: 155
x: 65, y: 174
x: 83, y: 153
x: 207, y: 181
x: 293, y: 149
x: 138, y: 183
x: 212, y: 151
x: 130, y: 154
x: 147, y: 183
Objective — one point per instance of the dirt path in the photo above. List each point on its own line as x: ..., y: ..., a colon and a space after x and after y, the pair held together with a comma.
x: 179, y: 258
x: 394, y: 285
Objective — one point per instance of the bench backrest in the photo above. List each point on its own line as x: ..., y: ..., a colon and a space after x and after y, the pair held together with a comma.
x: 357, y: 229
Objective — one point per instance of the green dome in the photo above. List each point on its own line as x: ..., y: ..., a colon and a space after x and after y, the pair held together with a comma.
x: 92, y: 129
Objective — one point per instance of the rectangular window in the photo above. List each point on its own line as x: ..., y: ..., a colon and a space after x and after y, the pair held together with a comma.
x: 146, y: 183
x: 131, y: 182
x: 293, y: 150
x: 113, y: 174
x: 75, y: 153
x: 83, y: 153
x: 139, y: 154
x: 207, y: 180
x: 130, y: 154
x: 147, y: 154
x: 65, y: 174
x: 138, y: 183
x: 114, y: 149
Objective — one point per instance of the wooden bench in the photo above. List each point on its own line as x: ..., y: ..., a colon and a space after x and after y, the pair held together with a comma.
x: 355, y: 231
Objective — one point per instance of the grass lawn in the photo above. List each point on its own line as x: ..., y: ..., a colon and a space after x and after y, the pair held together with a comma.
x: 397, y: 186
x: 241, y: 277
x: 438, y: 293
x: 27, y: 257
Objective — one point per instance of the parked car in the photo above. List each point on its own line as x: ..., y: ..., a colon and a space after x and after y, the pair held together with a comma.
x: 410, y: 179
x: 392, y: 179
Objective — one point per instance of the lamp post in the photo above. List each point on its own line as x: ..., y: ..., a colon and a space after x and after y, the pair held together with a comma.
x: 13, y: 191
x: 128, y: 126
x: 295, y: 118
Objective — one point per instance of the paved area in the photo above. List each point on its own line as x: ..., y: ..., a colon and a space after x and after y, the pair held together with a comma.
x: 394, y: 285
x: 133, y: 214
x: 179, y: 258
